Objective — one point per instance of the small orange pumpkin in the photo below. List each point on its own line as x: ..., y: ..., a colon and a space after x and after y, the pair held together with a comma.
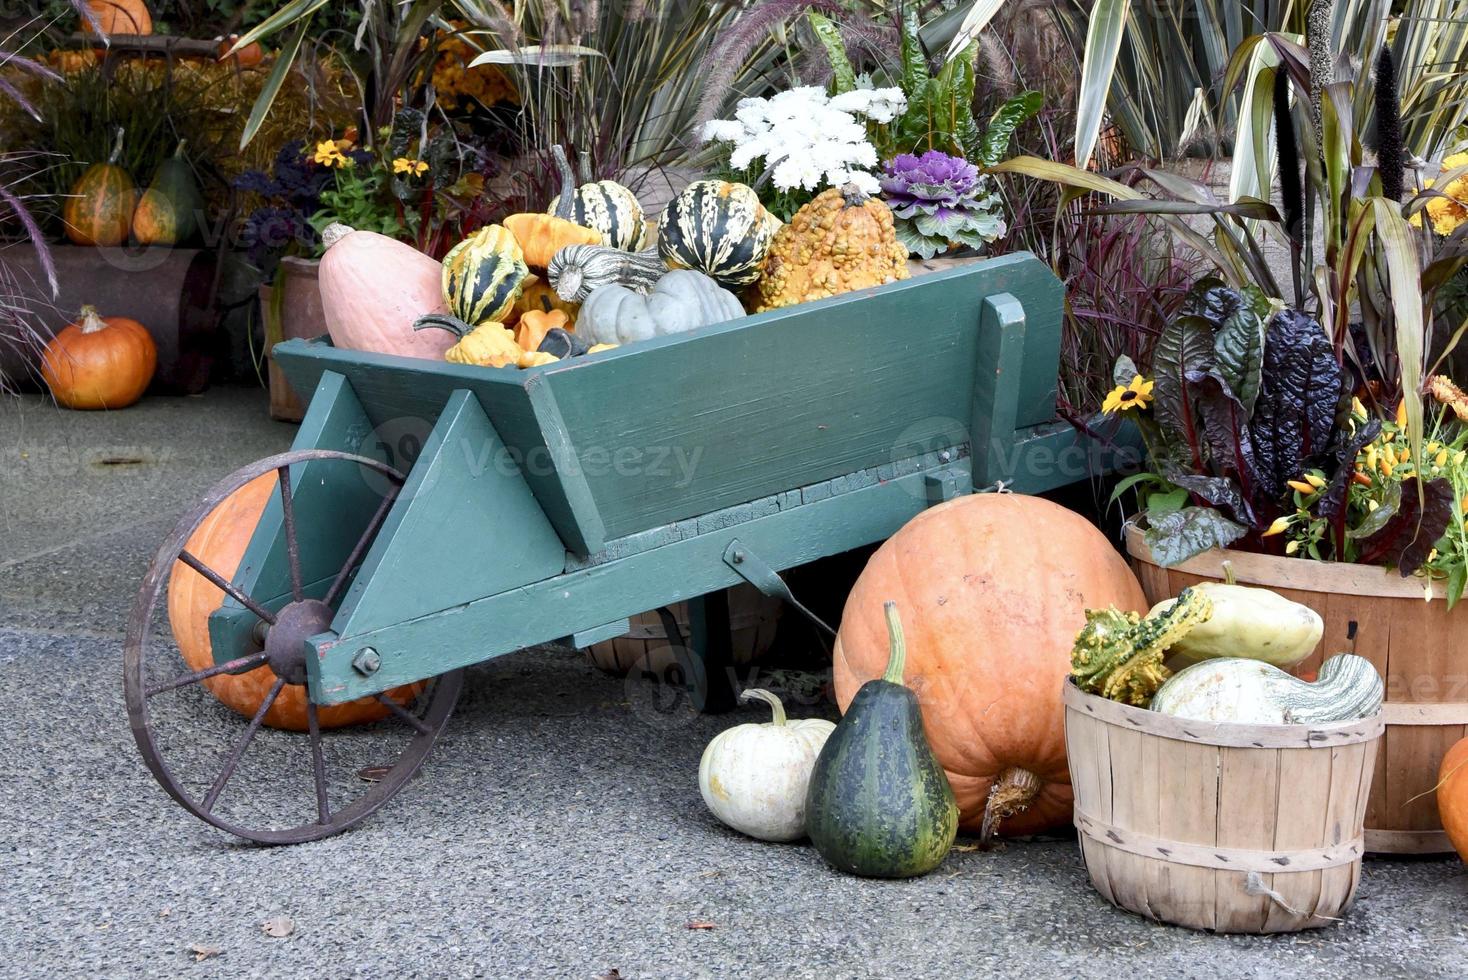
x: 992, y: 588
x: 220, y: 542
x: 120, y: 16
x: 99, y: 210
x: 1452, y: 796
x: 537, y: 294
x: 99, y: 362
x: 534, y: 325
x: 247, y: 57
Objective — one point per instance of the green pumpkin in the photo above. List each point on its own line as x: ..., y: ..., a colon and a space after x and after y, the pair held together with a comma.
x: 717, y: 228
x: 483, y: 276
x: 168, y: 211
x: 878, y: 803
x: 611, y: 209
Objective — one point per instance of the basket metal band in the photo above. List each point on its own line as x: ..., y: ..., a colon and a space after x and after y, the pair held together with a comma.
x: 1218, y: 858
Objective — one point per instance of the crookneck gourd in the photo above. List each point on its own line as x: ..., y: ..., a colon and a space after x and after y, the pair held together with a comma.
x: 879, y: 804
x: 1237, y: 689
x: 1247, y: 622
x: 841, y: 241
x: 579, y: 270
x: 1119, y: 655
x: 541, y: 236
x: 718, y: 228
x: 483, y: 276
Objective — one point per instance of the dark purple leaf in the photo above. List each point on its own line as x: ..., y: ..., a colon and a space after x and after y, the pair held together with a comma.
x: 1183, y: 534
x: 1333, y: 501
x: 1414, y: 530
x: 1186, y: 346
x: 1225, y: 437
x: 1300, y: 392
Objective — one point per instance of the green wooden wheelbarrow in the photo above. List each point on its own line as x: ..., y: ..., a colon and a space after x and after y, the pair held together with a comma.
x: 433, y: 515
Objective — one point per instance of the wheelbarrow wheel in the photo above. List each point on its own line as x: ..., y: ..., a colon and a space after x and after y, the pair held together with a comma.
x: 260, y: 783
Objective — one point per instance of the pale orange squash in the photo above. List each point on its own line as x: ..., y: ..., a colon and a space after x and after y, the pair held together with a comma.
x: 373, y: 288
x: 220, y: 542
x: 1452, y: 796
x: 992, y: 588
x: 120, y: 16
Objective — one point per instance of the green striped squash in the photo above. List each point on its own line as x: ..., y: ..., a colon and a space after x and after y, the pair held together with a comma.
x: 878, y: 804
x: 611, y: 209
x: 483, y: 275
x: 718, y: 228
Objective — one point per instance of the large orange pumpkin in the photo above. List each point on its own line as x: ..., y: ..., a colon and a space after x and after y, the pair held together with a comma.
x: 220, y: 543
x: 992, y: 588
x: 99, y: 209
x: 99, y: 362
x: 121, y: 16
x: 1452, y: 796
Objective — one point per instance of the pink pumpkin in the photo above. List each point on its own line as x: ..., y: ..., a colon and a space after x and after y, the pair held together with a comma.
x: 374, y: 287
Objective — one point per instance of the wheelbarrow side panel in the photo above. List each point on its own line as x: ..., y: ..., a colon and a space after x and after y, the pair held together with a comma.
x: 689, y: 424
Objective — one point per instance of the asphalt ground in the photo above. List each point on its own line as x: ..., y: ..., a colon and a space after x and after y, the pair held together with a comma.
x: 556, y: 831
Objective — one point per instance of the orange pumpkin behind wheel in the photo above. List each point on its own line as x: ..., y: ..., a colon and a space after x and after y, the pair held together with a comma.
x: 220, y: 542
x: 992, y: 588
x: 1452, y: 797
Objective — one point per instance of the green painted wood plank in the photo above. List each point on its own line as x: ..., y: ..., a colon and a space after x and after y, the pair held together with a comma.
x: 585, y: 599
x: 586, y: 534
x: 333, y: 501
x: 997, y: 381
x: 1052, y: 456
x: 465, y: 525
x: 610, y: 631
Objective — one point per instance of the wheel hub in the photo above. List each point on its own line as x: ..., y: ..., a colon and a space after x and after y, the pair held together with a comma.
x: 285, y: 642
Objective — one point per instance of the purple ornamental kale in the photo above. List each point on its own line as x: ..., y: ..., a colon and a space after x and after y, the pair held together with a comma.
x: 940, y: 201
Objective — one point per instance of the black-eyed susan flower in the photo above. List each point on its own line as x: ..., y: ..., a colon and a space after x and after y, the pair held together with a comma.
x: 414, y: 168
x: 329, y: 153
x: 1134, y: 395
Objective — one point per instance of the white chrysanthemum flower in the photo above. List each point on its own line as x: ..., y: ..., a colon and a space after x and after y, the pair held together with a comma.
x: 724, y: 131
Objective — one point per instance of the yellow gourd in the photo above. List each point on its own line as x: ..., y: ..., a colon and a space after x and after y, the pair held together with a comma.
x: 488, y: 345
x: 839, y: 242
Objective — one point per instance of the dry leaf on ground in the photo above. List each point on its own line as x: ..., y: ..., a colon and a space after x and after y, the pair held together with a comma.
x: 278, y: 926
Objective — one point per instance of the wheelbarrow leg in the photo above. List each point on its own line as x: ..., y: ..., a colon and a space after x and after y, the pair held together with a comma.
x: 712, y: 642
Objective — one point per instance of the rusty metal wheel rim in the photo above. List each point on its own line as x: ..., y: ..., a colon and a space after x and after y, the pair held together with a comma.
x: 440, y: 698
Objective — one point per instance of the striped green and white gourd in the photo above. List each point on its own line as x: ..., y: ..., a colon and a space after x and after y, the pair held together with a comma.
x: 718, y: 228
x: 577, y: 271
x: 610, y: 208
x: 1245, y: 691
x: 483, y: 275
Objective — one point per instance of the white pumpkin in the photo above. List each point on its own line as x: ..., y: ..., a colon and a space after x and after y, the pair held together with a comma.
x: 754, y: 777
x: 680, y: 301
x: 1251, y: 692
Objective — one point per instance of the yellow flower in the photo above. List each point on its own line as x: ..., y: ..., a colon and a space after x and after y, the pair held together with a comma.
x: 1122, y: 397
x: 329, y: 153
x: 1447, y: 212
x: 1446, y: 393
x: 1280, y: 526
x: 403, y: 165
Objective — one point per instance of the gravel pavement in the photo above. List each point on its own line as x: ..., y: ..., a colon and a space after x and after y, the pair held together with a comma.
x: 555, y: 832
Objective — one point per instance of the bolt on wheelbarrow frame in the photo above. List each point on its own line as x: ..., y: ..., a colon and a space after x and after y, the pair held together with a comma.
x: 555, y: 502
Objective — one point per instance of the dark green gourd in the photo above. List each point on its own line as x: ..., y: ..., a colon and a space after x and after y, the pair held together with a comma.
x: 879, y: 804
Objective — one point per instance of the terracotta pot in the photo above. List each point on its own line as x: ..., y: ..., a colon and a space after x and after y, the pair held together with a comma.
x: 291, y: 309
x: 1420, y: 649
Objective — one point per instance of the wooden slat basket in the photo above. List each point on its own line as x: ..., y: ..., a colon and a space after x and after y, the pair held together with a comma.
x: 1229, y: 828
x: 1419, y: 648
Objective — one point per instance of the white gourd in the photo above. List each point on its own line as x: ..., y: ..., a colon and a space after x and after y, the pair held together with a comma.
x: 754, y: 777
x: 1251, y: 692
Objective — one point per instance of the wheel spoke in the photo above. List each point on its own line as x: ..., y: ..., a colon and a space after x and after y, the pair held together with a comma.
x: 360, y: 547
x: 318, y: 764
x: 404, y: 714
x: 238, y: 751
x: 229, y: 667
x: 292, y: 549
x: 220, y: 582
